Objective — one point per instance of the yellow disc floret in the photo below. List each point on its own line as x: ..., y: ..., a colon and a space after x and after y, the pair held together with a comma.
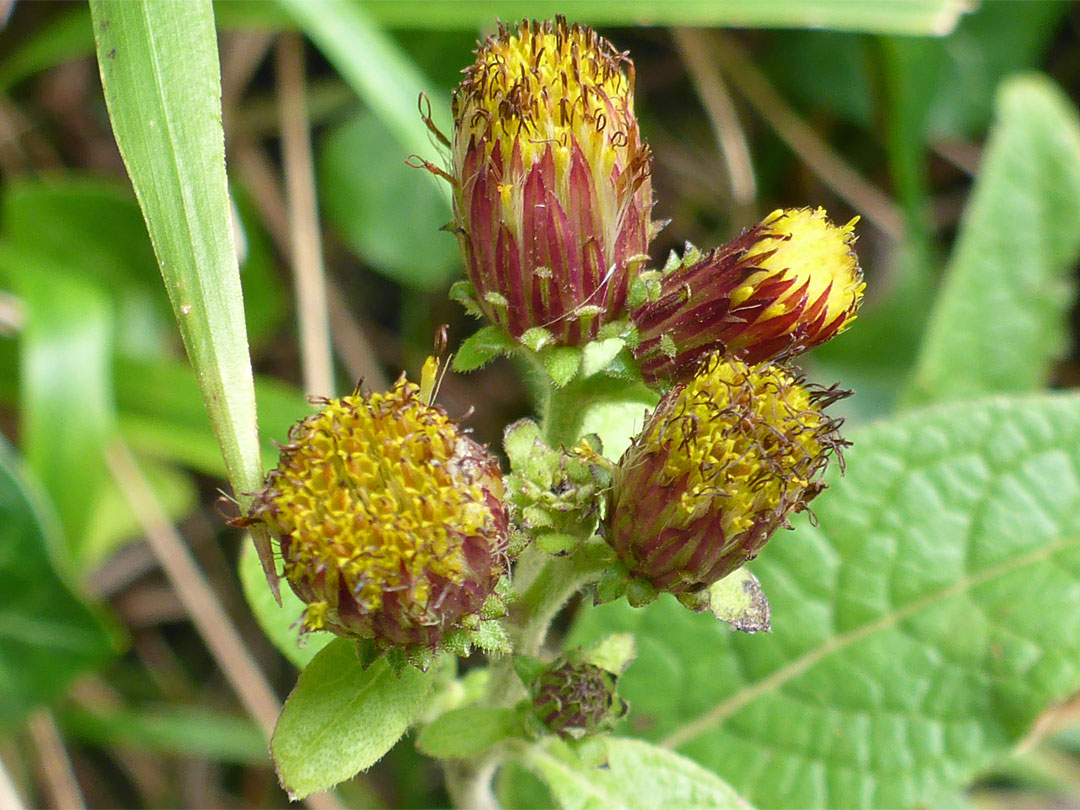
x: 802, y: 245
x: 551, y: 80
x: 389, y: 518
x: 721, y: 463
x: 550, y: 178
x: 744, y: 435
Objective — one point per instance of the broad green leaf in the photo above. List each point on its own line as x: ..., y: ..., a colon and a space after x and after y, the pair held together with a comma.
x: 390, y: 214
x: 917, y: 632
x: 616, y: 413
x: 1000, y: 319
x: 636, y: 775
x: 69, y: 36
x: 94, y: 227
x: 169, y: 729
x: 160, y: 73
x: 341, y: 718
x: 467, y: 732
x: 956, y: 78
x: 48, y: 637
x: 281, y: 623
x: 65, y: 395
x: 933, y: 17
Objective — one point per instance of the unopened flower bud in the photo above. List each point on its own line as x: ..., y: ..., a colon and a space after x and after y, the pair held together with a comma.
x: 390, y: 519
x: 786, y: 285
x: 719, y: 466
x: 577, y: 699
x: 551, y: 188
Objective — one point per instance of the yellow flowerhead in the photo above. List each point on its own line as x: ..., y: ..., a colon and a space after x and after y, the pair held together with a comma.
x: 721, y: 463
x: 390, y: 519
x: 786, y: 285
x: 551, y: 179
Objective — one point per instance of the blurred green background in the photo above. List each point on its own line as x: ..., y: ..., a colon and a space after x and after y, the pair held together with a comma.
x: 109, y: 693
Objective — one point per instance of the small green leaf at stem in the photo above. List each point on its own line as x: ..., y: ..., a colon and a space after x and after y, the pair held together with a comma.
x: 342, y: 718
x: 481, y: 347
x: 467, y: 732
x: 562, y: 363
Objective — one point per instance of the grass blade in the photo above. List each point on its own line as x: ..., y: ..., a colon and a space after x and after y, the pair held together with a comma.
x: 160, y: 72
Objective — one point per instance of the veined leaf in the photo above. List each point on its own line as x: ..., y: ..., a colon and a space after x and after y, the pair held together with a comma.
x: 1000, y: 319
x: 918, y: 630
x: 635, y: 775
x: 342, y: 718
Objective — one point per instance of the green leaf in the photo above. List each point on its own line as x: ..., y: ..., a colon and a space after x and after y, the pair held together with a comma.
x: 65, y: 395
x: 390, y: 214
x: 279, y: 622
x: 617, y: 418
x: 637, y: 775
x: 466, y: 732
x: 927, y: 17
x: 1000, y: 319
x: 481, y: 347
x: 160, y: 73
x: 599, y: 354
x: 562, y: 363
x: 167, y: 729
x: 48, y: 637
x: 69, y: 37
x: 341, y: 718
x: 918, y: 631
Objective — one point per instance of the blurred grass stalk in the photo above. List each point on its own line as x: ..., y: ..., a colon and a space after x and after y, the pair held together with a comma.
x: 305, y: 243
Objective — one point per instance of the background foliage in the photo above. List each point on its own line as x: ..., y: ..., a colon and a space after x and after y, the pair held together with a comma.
x: 928, y: 624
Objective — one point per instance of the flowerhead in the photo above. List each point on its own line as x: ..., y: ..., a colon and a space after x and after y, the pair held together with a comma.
x: 389, y: 518
x: 552, y: 197
x: 719, y: 466
x: 786, y: 285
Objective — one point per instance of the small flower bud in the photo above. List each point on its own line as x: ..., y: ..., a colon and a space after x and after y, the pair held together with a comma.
x: 576, y: 699
x: 390, y: 519
x: 551, y: 188
x: 718, y: 467
x: 786, y: 285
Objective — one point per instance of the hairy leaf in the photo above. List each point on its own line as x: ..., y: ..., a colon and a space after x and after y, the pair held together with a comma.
x: 917, y: 631
x: 635, y: 775
x: 342, y: 718
x: 1000, y: 318
x: 467, y: 732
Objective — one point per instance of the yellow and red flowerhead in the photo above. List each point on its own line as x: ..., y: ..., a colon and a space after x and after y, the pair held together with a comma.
x: 719, y: 466
x: 551, y: 188
x: 786, y: 285
x: 390, y: 519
